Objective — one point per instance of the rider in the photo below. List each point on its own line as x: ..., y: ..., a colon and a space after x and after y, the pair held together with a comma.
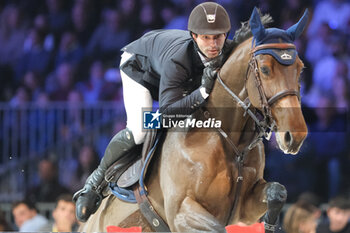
x: 174, y: 66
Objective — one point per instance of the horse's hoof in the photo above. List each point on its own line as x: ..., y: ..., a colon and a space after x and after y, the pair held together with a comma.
x: 276, y: 196
x: 276, y: 192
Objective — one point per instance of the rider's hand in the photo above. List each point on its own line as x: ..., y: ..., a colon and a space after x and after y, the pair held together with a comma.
x: 208, y: 78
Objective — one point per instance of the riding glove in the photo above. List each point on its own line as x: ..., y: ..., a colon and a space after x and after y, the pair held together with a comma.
x: 208, y: 78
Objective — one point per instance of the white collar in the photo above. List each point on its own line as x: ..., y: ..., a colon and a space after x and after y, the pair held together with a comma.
x: 206, y: 61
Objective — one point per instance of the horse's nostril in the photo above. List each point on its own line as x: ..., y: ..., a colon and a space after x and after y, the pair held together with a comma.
x: 288, y: 138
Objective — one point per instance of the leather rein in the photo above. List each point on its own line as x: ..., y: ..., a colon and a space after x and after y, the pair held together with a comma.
x: 265, y: 126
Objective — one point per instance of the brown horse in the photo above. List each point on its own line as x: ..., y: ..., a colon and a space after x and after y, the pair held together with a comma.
x: 202, y: 180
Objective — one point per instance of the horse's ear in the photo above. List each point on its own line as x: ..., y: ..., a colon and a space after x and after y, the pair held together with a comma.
x: 256, y: 25
x: 296, y: 30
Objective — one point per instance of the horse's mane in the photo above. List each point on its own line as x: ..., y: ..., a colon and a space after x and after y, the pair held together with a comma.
x: 245, y: 32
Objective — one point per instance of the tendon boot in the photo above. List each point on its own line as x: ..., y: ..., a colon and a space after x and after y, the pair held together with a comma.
x: 89, y: 198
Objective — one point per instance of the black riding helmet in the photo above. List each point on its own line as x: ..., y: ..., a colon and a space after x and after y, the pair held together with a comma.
x: 208, y: 18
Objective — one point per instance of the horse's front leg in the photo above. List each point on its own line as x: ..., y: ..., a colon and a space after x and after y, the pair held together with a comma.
x: 276, y: 196
x: 193, y: 217
x: 266, y: 200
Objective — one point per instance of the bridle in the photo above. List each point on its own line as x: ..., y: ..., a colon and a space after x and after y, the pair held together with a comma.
x: 265, y: 103
x: 268, y: 124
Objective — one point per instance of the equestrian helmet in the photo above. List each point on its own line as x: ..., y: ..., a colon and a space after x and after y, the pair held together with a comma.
x: 209, y: 18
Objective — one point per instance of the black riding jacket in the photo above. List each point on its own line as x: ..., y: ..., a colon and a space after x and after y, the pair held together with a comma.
x: 168, y: 65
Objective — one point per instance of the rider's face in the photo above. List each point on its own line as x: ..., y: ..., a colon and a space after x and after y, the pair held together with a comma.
x: 210, y: 45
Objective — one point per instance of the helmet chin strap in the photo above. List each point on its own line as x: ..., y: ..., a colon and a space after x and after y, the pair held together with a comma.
x: 196, y: 46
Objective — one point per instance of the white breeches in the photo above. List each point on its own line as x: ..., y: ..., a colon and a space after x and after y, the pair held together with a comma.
x: 136, y: 97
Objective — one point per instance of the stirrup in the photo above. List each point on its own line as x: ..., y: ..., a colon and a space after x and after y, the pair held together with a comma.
x: 77, y: 194
x: 270, y: 227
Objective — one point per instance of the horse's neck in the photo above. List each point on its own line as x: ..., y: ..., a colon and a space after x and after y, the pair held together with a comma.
x: 225, y: 107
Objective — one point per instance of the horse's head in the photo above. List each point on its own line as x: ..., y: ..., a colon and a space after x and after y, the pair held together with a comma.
x: 273, y: 81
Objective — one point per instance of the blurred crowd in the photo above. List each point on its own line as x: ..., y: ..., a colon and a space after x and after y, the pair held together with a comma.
x: 28, y: 219
x: 306, y: 215
x: 63, y: 50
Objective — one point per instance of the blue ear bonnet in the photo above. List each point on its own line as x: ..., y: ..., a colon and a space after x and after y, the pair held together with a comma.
x: 283, y: 56
x: 276, y: 35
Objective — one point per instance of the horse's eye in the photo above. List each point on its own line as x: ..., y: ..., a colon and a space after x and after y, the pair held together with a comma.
x: 265, y: 70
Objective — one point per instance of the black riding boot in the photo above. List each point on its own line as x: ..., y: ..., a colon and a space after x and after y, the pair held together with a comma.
x: 89, y: 198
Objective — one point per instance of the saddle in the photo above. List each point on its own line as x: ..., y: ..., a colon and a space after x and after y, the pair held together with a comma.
x: 130, y: 174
